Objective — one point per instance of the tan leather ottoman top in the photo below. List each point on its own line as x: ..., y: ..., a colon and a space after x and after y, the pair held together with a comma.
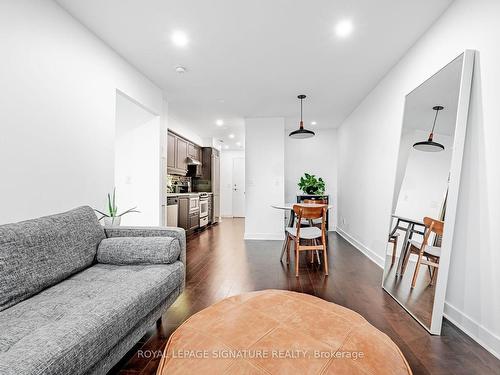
x: 279, y: 332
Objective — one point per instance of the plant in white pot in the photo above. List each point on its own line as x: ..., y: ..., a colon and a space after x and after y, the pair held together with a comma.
x: 113, y: 218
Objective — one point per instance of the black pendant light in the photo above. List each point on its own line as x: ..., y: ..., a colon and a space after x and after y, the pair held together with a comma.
x: 301, y: 133
x: 429, y: 145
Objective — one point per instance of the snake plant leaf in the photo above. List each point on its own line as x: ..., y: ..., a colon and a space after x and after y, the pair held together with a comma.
x: 110, y: 208
x: 133, y: 209
x: 115, y: 209
x: 102, y: 213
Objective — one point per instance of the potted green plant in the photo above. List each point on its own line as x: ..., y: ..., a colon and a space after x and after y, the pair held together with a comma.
x: 113, y: 218
x: 311, y: 185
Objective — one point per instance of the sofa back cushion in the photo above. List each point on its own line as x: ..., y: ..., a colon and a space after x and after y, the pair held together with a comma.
x: 38, y: 253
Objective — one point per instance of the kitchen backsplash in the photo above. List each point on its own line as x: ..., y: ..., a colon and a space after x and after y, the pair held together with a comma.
x: 174, y: 180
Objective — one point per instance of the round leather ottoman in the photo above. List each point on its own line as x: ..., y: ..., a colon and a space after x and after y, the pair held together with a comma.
x: 279, y: 332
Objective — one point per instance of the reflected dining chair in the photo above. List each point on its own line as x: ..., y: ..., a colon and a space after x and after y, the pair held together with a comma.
x: 299, y: 235
x: 428, y: 255
x: 393, y: 238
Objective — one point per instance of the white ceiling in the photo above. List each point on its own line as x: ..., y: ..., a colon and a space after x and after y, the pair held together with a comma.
x: 252, y: 58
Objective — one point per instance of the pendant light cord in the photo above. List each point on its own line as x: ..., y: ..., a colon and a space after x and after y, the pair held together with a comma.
x: 435, y: 118
x: 301, y: 109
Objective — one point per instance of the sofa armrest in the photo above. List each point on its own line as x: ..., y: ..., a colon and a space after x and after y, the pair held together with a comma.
x: 174, y: 232
x: 138, y: 250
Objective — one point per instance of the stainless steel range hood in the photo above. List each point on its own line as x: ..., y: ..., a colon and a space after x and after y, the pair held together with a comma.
x: 191, y: 161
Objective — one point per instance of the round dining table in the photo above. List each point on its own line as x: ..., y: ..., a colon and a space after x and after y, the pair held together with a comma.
x: 289, y: 207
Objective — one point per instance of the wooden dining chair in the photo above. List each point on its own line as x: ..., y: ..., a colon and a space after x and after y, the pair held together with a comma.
x: 313, y: 201
x: 316, y: 222
x: 309, y: 234
x: 428, y: 254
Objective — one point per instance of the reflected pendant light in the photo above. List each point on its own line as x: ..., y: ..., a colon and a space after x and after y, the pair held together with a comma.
x: 301, y: 133
x: 429, y: 145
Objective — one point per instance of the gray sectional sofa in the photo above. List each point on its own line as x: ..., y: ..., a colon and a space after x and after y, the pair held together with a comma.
x: 75, y: 297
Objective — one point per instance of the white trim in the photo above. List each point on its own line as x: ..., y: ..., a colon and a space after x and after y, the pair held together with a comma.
x: 372, y: 255
x: 227, y: 216
x: 265, y: 236
x: 453, y: 189
x: 473, y: 329
x: 484, y: 337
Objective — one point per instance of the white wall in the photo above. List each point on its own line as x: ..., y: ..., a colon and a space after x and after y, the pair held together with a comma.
x: 212, y: 142
x: 183, y: 128
x: 425, y: 181
x: 368, y: 142
x: 264, y: 185
x: 226, y: 180
x: 58, y: 88
x: 316, y: 155
x: 137, y: 163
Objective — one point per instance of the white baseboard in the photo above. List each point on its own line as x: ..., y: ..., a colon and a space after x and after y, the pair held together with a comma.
x: 373, y: 256
x: 469, y: 326
x: 265, y: 236
x: 473, y: 329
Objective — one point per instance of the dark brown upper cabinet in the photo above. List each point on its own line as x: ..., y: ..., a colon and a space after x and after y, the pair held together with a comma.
x: 182, y: 154
x: 178, y: 150
x: 194, y: 151
x: 171, y: 151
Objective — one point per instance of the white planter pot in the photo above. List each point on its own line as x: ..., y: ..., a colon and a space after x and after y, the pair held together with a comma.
x: 112, y: 221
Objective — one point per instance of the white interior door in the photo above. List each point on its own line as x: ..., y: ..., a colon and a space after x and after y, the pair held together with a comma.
x: 239, y: 187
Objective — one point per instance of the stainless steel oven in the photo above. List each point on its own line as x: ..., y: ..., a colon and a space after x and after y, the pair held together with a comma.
x: 203, y: 210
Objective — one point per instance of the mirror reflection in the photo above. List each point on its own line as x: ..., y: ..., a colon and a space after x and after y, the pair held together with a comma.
x: 419, y: 207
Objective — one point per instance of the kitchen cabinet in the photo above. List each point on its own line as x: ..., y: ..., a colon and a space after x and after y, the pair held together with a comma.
x: 171, y: 151
x: 182, y: 154
x: 210, y: 208
x: 189, y: 212
x: 194, y: 221
x: 178, y: 150
x: 215, y: 172
x: 194, y: 151
x: 210, y: 179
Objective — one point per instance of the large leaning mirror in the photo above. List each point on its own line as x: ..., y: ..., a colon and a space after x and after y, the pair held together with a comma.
x: 419, y: 242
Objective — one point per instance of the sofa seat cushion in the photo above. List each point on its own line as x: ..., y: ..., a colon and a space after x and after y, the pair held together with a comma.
x: 69, y: 327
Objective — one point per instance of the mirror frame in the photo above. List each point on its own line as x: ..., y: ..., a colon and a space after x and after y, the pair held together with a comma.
x: 453, y: 190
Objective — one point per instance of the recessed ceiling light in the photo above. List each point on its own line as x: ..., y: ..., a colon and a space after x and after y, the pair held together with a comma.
x: 238, y: 144
x: 180, y: 69
x: 219, y: 122
x: 344, y: 28
x: 313, y: 122
x: 221, y: 100
x: 231, y: 136
x: 226, y: 147
x: 180, y: 38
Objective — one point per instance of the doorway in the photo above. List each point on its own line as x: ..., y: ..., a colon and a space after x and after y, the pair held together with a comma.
x: 137, y: 162
x: 238, y: 187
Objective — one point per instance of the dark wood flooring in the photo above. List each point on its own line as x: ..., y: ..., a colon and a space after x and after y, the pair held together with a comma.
x: 220, y: 264
x: 419, y: 300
